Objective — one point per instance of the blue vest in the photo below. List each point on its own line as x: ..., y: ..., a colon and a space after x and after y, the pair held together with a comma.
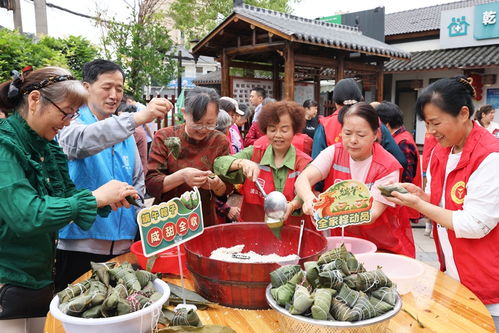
x: 116, y: 162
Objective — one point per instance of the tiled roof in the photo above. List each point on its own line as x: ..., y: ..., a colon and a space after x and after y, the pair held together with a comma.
x: 209, y: 78
x: 480, y: 56
x: 422, y: 19
x: 318, y: 32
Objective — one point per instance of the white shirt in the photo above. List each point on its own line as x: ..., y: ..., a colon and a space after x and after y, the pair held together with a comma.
x: 480, y: 211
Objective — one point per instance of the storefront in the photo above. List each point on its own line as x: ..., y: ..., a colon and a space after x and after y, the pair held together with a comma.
x: 452, y: 39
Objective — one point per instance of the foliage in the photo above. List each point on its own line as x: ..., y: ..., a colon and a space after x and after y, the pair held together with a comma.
x: 209, y: 12
x: 19, y: 50
x: 141, y: 46
x: 76, y: 50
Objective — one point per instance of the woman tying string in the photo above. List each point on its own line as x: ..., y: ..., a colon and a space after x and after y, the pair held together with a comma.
x: 462, y: 192
x: 38, y: 197
x: 360, y: 157
x: 275, y: 164
x: 182, y: 156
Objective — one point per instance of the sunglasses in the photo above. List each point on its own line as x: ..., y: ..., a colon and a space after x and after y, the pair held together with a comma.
x: 66, y: 116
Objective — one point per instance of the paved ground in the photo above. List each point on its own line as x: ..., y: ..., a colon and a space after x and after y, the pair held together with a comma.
x: 425, y: 246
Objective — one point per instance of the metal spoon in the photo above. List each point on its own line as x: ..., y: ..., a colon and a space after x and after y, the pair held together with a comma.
x: 274, y: 204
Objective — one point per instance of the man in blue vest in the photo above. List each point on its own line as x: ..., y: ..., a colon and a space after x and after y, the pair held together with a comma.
x: 100, y: 147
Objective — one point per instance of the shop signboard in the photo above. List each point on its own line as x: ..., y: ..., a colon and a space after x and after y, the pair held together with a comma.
x: 470, y: 26
x: 345, y: 203
x: 171, y: 223
x: 487, y: 22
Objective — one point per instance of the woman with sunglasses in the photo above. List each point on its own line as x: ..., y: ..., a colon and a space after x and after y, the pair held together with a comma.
x: 38, y: 197
x: 182, y: 156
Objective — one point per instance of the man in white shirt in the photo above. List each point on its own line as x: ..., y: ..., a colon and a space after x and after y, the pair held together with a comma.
x: 257, y: 96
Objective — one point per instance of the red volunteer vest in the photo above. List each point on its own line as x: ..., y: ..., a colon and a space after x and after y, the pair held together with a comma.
x: 476, y: 259
x: 252, y: 206
x: 418, y: 179
x: 391, y: 231
x: 332, y: 128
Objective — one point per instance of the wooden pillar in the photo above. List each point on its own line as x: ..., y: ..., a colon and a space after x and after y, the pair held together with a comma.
x: 317, y: 91
x: 225, y: 79
x: 276, y: 82
x: 289, y: 72
x: 340, y: 67
x: 379, y: 81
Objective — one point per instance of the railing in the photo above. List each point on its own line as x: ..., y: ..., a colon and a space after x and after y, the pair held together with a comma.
x: 164, y: 123
x: 329, y: 108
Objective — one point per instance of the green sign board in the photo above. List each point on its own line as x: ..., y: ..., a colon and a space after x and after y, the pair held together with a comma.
x: 170, y: 223
x: 345, y: 203
x: 331, y: 19
x: 486, y: 21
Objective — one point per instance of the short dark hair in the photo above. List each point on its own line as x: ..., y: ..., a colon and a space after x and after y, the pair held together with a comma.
x: 363, y: 110
x: 450, y: 95
x: 92, y: 69
x: 309, y: 103
x: 271, y: 113
x: 197, y: 101
x: 345, y: 90
x: 390, y: 114
x: 260, y: 91
x: 484, y: 110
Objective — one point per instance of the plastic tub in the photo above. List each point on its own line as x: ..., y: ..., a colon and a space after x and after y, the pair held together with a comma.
x: 354, y: 245
x: 141, y: 321
x: 402, y: 270
x: 242, y: 285
x: 167, y: 262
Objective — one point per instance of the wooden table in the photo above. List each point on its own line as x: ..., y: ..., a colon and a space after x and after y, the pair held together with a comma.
x: 437, y: 304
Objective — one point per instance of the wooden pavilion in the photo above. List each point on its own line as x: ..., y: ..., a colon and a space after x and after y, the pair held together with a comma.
x: 302, y: 49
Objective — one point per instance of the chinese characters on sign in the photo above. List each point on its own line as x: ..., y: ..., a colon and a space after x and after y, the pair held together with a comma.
x: 170, y: 223
x: 345, y: 203
x: 489, y: 17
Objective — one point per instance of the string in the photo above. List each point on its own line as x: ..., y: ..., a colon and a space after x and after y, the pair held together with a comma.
x: 181, y: 273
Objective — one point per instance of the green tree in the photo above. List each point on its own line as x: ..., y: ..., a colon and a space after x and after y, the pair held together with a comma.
x: 76, y: 50
x: 196, y: 18
x: 19, y: 50
x: 141, y: 46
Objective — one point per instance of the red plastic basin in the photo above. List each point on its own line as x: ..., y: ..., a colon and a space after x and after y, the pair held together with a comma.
x: 242, y: 285
x: 166, y: 263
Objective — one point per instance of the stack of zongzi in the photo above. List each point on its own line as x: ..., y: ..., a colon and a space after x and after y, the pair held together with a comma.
x: 336, y: 287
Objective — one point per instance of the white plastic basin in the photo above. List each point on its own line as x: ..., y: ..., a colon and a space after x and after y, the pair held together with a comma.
x: 402, y: 270
x: 141, y: 321
x: 352, y: 244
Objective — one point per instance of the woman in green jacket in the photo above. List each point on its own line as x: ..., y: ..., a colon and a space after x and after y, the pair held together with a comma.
x: 38, y: 197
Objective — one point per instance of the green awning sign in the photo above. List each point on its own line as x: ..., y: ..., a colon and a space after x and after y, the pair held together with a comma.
x: 331, y: 19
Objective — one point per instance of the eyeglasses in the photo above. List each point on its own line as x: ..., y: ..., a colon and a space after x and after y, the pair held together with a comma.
x: 198, y: 127
x: 67, y: 116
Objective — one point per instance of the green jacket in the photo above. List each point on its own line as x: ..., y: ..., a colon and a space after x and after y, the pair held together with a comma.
x: 37, y: 198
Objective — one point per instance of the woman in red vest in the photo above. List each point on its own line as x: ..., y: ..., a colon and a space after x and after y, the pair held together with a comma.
x: 360, y: 157
x: 462, y: 193
x: 275, y: 163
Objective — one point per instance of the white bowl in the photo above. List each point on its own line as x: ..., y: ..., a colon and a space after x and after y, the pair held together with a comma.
x: 402, y: 270
x: 352, y: 244
x: 141, y: 321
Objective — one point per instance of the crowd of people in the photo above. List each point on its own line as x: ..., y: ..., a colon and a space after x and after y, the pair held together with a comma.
x: 72, y: 151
